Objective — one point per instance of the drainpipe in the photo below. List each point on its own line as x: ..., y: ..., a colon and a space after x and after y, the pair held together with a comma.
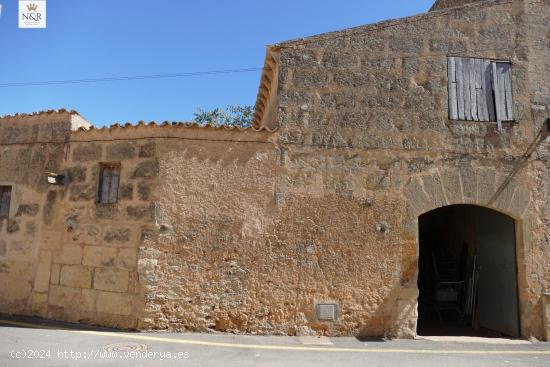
x: 541, y: 135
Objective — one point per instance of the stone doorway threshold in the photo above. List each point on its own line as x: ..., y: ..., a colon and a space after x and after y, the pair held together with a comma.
x: 473, y: 339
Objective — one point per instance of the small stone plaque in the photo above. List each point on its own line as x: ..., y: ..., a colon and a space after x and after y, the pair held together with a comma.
x: 326, y: 311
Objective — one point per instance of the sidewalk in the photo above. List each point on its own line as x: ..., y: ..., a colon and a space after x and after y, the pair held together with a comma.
x: 61, y: 344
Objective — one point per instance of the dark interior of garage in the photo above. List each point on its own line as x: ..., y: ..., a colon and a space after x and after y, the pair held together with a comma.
x: 467, y: 273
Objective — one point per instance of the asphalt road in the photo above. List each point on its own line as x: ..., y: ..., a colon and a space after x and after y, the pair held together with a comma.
x: 33, y: 342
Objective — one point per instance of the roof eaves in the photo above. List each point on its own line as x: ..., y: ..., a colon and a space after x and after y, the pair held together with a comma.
x: 266, y: 91
x: 40, y: 113
x: 184, y: 124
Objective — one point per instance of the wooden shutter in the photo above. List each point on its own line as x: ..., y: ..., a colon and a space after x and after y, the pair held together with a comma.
x: 113, y: 187
x: 467, y: 87
x: 479, y: 90
x: 108, y: 191
x: 104, y: 185
x: 464, y: 75
x: 473, y: 69
x: 453, y: 88
x: 502, y: 86
x: 487, y: 69
x: 5, y: 198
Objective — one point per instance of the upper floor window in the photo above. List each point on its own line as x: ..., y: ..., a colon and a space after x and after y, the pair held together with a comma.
x: 5, y: 198
x: 108, y: 183
x: 480, y: 90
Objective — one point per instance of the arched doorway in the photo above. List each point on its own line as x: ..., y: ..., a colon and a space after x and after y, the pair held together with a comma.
x: 467, y: 277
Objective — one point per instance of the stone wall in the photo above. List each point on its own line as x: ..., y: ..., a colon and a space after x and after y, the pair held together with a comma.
x: 367, y: 145
x: 446, y: 4
x: 30, y: 145
x: 254, y: 238
x: 65, y: 256
x: 164, y: 169
x: 538, y: 17
x: 94, y: 256
x: 209, y: 266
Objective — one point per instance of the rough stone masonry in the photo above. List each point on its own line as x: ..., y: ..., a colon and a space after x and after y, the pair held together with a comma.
x: 247, y: 231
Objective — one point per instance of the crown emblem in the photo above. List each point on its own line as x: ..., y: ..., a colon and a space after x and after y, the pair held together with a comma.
x: 32, y: 7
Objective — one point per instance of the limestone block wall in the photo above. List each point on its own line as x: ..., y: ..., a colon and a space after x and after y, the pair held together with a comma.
x: 30, y: 145
x: 538, y: 17
x: 93, y: 269
x: 446, y: 4
x: 363, y: 125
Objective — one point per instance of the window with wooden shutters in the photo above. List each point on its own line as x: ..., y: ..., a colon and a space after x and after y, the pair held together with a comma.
x: 108, y: 183
x: 480, y: 90
x: 5, y: 198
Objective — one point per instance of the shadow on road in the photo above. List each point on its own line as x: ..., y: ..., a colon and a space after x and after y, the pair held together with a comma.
x: 370, y: 339
x: 27, y: 322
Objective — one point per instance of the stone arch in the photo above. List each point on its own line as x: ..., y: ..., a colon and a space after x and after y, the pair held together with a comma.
x: 475, y: 186
x: 462, y: 185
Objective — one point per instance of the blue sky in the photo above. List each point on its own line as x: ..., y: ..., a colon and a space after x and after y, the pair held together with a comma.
x: 105, y: 38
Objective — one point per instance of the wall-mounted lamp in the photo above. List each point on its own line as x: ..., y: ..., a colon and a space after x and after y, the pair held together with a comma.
x: 55, y: 178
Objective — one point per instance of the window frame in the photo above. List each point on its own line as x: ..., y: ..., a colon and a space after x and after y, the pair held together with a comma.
x: 11, y: 205
x: 109, y: 196
x: 482, y: 104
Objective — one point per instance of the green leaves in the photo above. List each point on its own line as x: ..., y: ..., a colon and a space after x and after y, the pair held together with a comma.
x: 238, y: 116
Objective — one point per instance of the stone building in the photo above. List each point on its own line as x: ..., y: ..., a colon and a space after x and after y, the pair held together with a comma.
x: 378, y: 155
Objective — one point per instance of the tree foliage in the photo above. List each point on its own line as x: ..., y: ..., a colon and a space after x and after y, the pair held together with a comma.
x: 237, y: 116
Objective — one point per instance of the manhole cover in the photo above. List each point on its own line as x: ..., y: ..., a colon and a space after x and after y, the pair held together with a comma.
x: 125, y: 347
